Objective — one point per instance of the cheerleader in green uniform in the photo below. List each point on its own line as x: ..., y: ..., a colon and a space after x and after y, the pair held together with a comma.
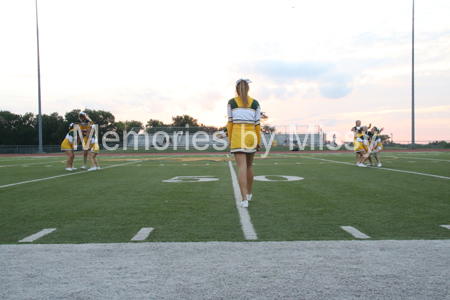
x: 93, y: 151
x: 244, y: 135
x: 68, y: 146
x: 360, y: 146
x: 376, y: 145
x: 355, y: 131
x: 85, y: 125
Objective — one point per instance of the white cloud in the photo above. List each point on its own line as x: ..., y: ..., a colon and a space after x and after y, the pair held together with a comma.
x: 322, y: 60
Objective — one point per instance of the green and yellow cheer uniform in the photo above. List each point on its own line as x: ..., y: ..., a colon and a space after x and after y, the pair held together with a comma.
x: 94, y: 144
x: 67, y: 144
x: 85, y: 124
x: 377, y: 142
x: 244, y: 125
x: 359, y: 143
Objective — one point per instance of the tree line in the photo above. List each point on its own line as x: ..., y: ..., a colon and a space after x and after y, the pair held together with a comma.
x: 16, y: 129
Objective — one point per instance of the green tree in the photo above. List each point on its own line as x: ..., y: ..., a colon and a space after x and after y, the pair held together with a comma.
x: 17, y: 129
x: 155, y: 123
x: 104, y: 119
x: 120, y: 127
x: 72, y: 116
x: 182, y: 121
x: 54, y: 129
x: 23, y: 129
x: 264, y: 117
x: 384, y: 138
x: 9, y: 123
x: 133, y: 125
x: 27, y: 130
x: 267, y: 129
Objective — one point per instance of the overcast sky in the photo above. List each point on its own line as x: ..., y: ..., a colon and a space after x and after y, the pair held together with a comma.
x: 323, y: 62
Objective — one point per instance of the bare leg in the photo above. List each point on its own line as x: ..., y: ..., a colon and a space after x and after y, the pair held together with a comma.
x: 377, y: 158
x: 92, y: 159
x: 85, y: 156
x: 241, y: 160
x: 72, y: 157
x: 69, y: 162
x: 250, y: 157
x: 363, y: 159
x: 96, y: 160
x: 359, y: 157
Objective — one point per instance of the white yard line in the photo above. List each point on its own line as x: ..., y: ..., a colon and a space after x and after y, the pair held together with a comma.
x: 386, y: 169
x: 38, y: 235
x: 45, y: 162
x: 432, y: 159
x: 446, y: 226
x: 355, y: 232
x: 142, y: 234
x: 68, y: 174
x: 247, y: 226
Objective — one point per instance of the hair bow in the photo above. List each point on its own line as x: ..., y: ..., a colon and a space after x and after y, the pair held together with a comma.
x: 242, y: 79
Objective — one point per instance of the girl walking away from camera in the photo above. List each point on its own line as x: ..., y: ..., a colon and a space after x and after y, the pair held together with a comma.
x: 85, y: 126
x: 93, y: 151
x: 244, y: 135
x: 67, y: 145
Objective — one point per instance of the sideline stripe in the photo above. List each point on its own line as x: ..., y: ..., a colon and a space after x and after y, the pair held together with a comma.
x: 446, y: 226
x: 45, y: 162
x: 386, y: 169
x: 433, y: 159
x: 36, y: 236
x: 142, y: 234
x: 355, y: 232
x: 79, y: 172
x: 247, y: 226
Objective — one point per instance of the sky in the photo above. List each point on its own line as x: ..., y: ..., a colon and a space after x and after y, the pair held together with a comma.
x: 324, y: 62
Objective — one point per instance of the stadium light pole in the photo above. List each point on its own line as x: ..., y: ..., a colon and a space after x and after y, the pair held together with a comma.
x: 39, y: 83
x: 412, y: 84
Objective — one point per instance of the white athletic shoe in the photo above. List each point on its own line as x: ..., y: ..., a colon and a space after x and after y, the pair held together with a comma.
x: 92, y: 169
x: 98, y: 168
x: 69, y: 169
x: 245, y: 204
x: 379, y: 165
x: 83, y: 168
x: 73, y: 168
x: 371, y: 164
x: 362, y: 165
x: 249, y: 197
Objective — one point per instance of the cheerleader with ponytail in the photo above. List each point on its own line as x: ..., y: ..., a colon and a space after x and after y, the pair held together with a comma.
x: 68, y: 146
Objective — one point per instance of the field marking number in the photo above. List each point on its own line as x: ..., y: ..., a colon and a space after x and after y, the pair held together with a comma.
x: 192, y: 179
x: 286, y: 178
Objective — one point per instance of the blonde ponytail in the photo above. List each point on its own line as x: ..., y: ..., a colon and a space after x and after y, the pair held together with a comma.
x: 242, y: 89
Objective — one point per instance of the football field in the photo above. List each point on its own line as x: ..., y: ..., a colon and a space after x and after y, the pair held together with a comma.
x: 193, y: 198
x: 170, y: 227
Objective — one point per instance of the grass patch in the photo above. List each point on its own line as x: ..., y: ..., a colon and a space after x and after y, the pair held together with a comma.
x: 113, y: 204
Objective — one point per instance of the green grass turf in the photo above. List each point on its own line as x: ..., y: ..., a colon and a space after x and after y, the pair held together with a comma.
x: 113, y: 204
